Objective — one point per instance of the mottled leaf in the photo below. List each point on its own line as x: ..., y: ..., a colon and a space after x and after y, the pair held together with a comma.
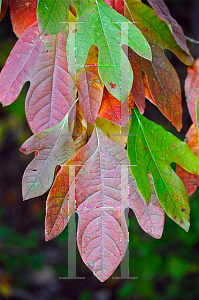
x: 151, y: 149
x: 101, y: 172
x: 55, y: 146
x: 163, y: 13
x: 23, y: 14
x: 53, y: 15
x: 99, y: 24
x: 191, y: 181
x: 192, y: 89
x: 43, y: 62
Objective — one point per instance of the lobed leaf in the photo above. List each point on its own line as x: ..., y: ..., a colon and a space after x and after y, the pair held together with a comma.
x: 43, y: 62
x: 191, y: 181
x: 101, y: 25
x: 55, y: 146
x: 100, y: 172
x: 23, y: 14
x: 152, y: 149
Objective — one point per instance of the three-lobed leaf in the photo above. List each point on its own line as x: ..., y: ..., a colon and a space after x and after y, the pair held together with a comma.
x: 100, y: 172
x: 151, y: 149
x: 99, y: 24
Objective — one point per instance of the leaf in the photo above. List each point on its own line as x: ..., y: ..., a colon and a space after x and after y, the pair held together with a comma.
x: 192, y: 89
x: 100, y: 183
x: 112, y: 110
x: 90, y: 91
x: 191, y: 181
x: 115, y: 133
x: 53, y: 15
x: 55, y: 146
x: 163, y: 81
x: 163, y: 13
x: 156, y: 31
x: 151, y: 149
x: 3, y: 8
x: 96, y: 26
x: 117, y: 5
x: 23, y: 14
x: 80, y: 129
x: 43, y: 62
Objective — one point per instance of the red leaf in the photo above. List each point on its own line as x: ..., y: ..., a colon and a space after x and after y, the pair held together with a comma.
x: 23, y: 14
x: 111, y: 108
x: 101, y: 182
x: 163, y: 13
x: 90, y: 91
x: 43, y: 62
x: 192, y: 89
x: 118, y: 5
x: 163, y: 83
x: 190, y: 181
x: 3, y: 9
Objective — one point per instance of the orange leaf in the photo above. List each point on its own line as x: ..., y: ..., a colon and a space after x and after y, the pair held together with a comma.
x: 3, y: 9
x: 112, y: 110
x: 23, y: 14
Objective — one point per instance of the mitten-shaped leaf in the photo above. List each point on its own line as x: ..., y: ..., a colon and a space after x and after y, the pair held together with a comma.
x: 152, y: 149
x: 55, y: 146
x: 43, y: 62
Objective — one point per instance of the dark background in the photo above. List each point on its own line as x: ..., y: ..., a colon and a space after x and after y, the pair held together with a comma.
x: 30, y: 267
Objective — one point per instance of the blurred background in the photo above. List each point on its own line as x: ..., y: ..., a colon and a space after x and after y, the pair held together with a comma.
x: 30, y: 267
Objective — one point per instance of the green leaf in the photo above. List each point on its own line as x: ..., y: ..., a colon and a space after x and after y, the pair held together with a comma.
x: 151, y: 149
x: 53, y: 15
x: 101, y: 25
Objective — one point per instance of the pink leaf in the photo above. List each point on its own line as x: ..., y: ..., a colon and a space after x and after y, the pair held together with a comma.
x: 101, y: 172
x: 192, y: 89
x: 43, y: 62
x: 54, y: 146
